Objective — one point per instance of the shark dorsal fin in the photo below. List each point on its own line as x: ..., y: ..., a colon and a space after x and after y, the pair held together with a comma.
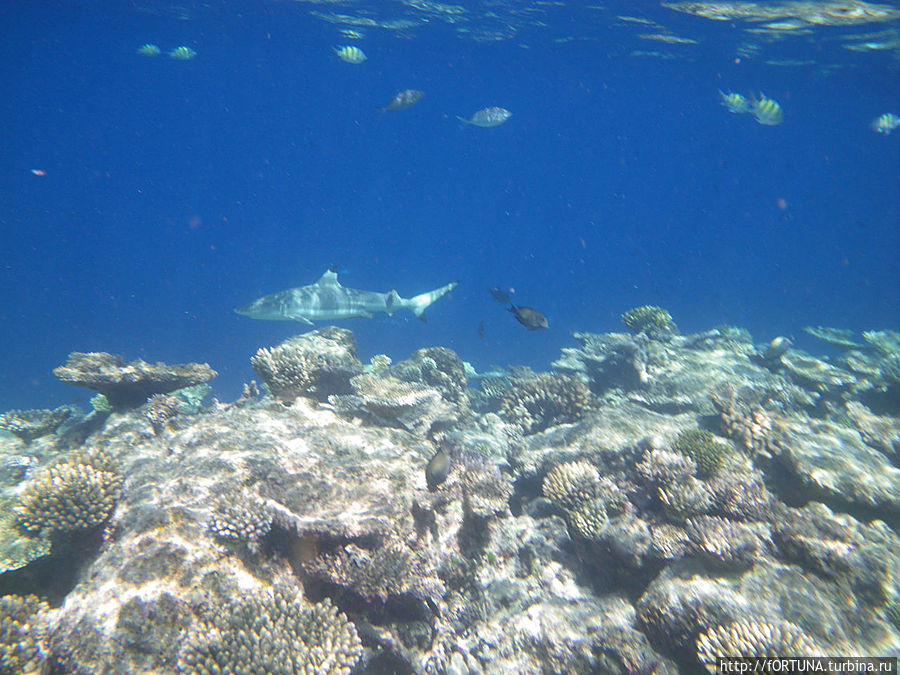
x: 329, y: 278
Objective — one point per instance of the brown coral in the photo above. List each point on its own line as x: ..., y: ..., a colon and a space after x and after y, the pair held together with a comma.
x: 571, y: 484
x: 546, y: 400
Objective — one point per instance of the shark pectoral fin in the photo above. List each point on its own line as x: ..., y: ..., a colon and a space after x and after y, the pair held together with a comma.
x: 303, y: 319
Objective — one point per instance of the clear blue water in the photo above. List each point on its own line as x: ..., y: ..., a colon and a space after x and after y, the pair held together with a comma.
x: 176, y: 191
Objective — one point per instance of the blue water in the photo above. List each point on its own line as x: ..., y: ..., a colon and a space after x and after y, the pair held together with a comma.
x: 176, y: 191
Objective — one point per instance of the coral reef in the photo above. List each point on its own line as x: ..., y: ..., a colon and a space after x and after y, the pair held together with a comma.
x: 546, y: 400
x: 23, y: 635
x: 650, y: 319
x: 272, y: 633
x: 128, y: 385
x: 754, y: 638
x: 31, y: 424
x: 241, y: 517
x: 436, y: 367
x: 316, y: 364
x: 77, y: 494
x: 159, y: 409
x: 702, y: 447
x: 747, y: 423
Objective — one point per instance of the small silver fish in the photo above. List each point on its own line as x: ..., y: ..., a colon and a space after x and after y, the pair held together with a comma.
x: 766, y: 110
x: 350, y: 54
x: 735, y: 103
x: 405, y: 99
x: 886, y: 123
x: 489, y: 117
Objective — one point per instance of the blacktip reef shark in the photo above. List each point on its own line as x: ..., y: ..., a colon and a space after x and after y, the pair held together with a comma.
x: 326, y: 300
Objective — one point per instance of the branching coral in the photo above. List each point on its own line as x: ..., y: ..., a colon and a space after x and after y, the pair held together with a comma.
x: 650, y: 319
x: 23, y: 635
x: 722, y: 541
x: 754, y: 638
x: 31, y: 424
x: 702, y: 447
x: 77, y: 494
x: 242, y: 517
x: 546, y: 400
x: 275, y: 633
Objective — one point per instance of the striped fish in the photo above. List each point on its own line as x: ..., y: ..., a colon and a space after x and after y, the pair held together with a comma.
x: 735, y: 103
x: 886, y: 123
x: 766, y: 110
x: 350, y: 54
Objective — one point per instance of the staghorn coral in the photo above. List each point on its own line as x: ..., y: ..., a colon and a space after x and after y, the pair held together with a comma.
x: 77, y: 494
x: 746, y: 423
x: 546, y: 400
x: 754, y: 638
x: 159, y: 410
x: 31, y: 424
x: 314, y: 365
x: 722, y: 541
x: 650, y: 319
x: 273, y: 633
x: 390, y: 571
x: 23, y: 635
x: 589, y: 519
x: 701, y: 446
x: 571, y: 484
x: 242, y: 517
x: 127, y: 385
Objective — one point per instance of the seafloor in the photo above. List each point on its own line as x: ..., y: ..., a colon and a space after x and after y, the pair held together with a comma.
x: 653, y: 502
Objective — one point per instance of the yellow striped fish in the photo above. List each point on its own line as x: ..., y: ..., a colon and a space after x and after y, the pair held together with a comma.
x: 350, y: 54
x: 886, y: 123
x: 734, y: 102
x: 766, y: 110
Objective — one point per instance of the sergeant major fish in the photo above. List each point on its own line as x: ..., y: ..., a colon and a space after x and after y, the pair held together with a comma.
x: 350, y: 54
x: 488, y: 117
x: 886, y: 123
x: 766, y: 110
x: 735, y: 103
x: 403, y: 100
x: 182, y: 54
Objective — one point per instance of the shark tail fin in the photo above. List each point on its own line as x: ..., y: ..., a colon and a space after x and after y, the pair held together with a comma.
x: 418, y: 304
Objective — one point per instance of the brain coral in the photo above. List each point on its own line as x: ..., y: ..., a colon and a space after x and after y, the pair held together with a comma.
x: 545, y: 400
x: 275, y: 634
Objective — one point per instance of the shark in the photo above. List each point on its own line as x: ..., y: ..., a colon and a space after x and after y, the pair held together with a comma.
x: 327, y: 300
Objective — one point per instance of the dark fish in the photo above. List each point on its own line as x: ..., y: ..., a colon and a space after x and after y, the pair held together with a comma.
x: 403, y: 100
x: 530, y: 318
x: 481, y: 329
x: 437, y: 469
x: 499, y: 294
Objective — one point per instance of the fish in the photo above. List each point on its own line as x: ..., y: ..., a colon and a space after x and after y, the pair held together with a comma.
x: 489, y: 117
x: 528, y: 317
x: 481, y: 330
x: 149, y: 50
x: 182, y: 54
x: 886, y: 123
x: 326, y: 300
x: 499, y: 295
x: 350, y: 54
x: 766, y: 110
x: 403, y: 100
x: 437, y: 470
x: 735, y: 103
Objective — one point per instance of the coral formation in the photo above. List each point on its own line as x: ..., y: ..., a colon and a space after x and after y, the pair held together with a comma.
x: 723, y: 541
x: 23, y: 635
x: 546, y: 400
x: 127, y: 385
x: 31, y: 424
x: 272, y: 633
x: 702, y: 447
x: 754, y: 638
x: 650, y: 319
x: 316, y: 364
x: 746, y: 423
x: 436, y: 367
x: 77, y: 494
x: 571, y: 484
x: 241, y: 517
